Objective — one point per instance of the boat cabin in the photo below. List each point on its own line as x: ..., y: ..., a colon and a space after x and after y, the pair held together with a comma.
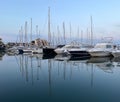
x: 104, y: 45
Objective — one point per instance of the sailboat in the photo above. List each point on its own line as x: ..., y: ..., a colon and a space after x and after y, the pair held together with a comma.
x: 49, y: 50
x: 37, y: 49
x: 27, y: 49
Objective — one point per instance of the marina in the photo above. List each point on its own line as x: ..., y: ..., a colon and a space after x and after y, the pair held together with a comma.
x: 59, y: 51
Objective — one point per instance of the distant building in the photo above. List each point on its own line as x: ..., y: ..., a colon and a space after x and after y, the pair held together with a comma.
x: 40, y: 42
x: 2, y: 45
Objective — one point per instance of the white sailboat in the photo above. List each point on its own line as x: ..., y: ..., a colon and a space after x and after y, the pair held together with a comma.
x: 27, y: 49
x: 49, y: 50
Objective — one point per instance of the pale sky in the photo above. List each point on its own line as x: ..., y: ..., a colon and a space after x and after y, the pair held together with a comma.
x: 105, y: 14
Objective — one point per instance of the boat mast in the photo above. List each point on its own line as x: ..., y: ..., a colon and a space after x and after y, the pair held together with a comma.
x: 78, y: 33
x: 58, y: 35
x: 70, y: 31
x: 64, y: 33
x: 37, y: 31
x: 53, y: 40
x: 26, y: 40
x: 22, y: 35
x: 91, y: 30
x: 81, y: 36
x: 49, y: 33
x: 31, y: 30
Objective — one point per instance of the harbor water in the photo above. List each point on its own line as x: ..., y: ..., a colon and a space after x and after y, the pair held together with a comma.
x: 33, y: 78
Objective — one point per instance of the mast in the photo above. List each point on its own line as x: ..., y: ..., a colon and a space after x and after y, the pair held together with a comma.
x: 58, y: 35
x: 37, y: 31
x: 81, y: 36
x: 26, y: 40
x: 19, y: 36
x: 64, y: 32
x: 78, y: 32
x: 31, y: 30
x: 70, y: 31
x: 22, y: 35
x: 91, y: 30
x: 53, y: 39
x: 49, y: 33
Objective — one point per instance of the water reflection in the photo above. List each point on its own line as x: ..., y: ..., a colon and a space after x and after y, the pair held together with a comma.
x: 65, y: 76
x: 1, y: 55
x: 60, y: 64
x: 103, y: 63
x: 33, y: 65
x: 116, y: 61
x: 62, y: 57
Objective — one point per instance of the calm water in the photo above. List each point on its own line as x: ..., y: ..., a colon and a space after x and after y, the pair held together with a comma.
x: 30, y: 78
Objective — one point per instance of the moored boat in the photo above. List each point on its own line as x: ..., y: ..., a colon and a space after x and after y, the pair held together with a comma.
x: 49, y: 51
x: 81, y: 51
x: 116, y: 51
x: 66, y: 48
x: 101, y: 49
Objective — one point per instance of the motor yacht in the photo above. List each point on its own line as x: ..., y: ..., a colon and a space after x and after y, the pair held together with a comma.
x: 101, y: 49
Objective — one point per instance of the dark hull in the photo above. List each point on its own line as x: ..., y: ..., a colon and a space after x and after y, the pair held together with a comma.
x: 45, y: 56
x: 2, y: 48
x: 48, y: 51
x: 79, y: 53
x: 20, y: 51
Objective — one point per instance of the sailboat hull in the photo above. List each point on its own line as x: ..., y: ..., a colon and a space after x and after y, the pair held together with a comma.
x: 49, y: 51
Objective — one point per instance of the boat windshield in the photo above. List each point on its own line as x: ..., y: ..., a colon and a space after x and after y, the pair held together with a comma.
x: 103, y: 46
x: 99, y: 46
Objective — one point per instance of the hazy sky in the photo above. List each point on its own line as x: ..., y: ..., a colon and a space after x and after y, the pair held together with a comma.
x: 105, y: 13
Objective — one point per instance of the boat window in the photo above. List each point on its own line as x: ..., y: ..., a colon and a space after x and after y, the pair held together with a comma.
x: 108, y: 46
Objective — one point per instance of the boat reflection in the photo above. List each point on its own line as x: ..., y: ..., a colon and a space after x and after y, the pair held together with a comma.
x: 37, y: 56
x: 99, y: 59
x: 104, y: 63
x: 70, y: 58
x: 61, y: 57
x: 35, y: 69
x: 48, y: 56
x: 116, y: 61
x: 1, y: 55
